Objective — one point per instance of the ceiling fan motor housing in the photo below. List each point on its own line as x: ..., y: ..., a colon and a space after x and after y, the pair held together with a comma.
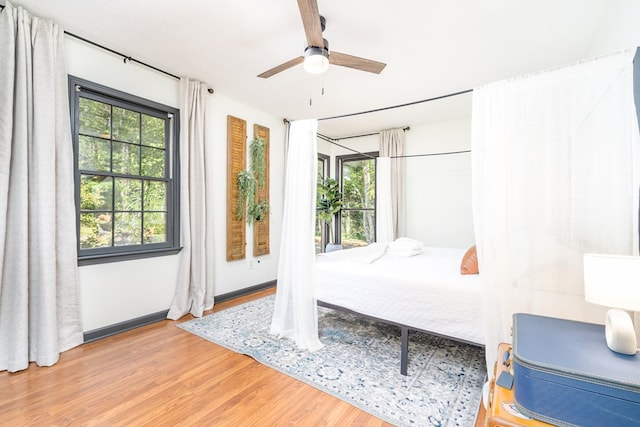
x: 316, y: 59
x: 316, y: 50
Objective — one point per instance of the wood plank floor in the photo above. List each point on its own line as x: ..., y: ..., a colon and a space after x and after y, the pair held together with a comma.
x: 161, y: 375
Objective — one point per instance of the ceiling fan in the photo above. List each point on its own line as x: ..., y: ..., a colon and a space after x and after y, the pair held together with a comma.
x: 316, y: 56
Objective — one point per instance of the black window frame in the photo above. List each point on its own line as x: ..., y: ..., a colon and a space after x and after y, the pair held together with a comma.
x: 79, y: 87
x: 324, y: 227
x: 340, y: 160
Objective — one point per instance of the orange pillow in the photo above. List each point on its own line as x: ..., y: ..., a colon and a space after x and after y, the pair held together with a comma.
x: 469, y: 263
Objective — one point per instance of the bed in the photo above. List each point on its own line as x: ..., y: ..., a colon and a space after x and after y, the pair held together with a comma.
x: 424, y: 292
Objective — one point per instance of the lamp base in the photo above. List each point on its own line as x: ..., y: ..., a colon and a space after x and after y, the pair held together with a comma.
x: 620, y: 333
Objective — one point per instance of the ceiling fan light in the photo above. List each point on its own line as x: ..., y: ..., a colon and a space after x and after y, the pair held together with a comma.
x: 316, y: 64
x: 316, y: 59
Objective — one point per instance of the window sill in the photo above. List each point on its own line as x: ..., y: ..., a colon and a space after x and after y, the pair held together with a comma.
x: 107, y: 258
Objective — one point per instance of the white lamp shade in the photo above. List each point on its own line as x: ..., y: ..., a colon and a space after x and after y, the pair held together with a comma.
x: 316, y: 64
x: 612, y: 280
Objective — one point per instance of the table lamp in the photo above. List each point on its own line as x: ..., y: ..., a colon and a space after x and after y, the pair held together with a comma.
x: 614, y: 281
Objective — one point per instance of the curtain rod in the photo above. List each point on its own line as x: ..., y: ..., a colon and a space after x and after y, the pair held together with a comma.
x: 430, y: 154
x: 126, y: 58
x: 398, y: 106
x: 406, y: 128
x: 333, y: 141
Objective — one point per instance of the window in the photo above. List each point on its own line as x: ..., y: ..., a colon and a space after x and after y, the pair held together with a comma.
x: 357, y: 224
x: 322, y: 229
x: 126, y: 164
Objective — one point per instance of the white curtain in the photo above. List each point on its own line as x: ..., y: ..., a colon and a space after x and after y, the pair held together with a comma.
x: 384, y: 210
x: 555, y: 175
x: 392, y: 145
x: 39, y: 302
x: 195, y: 287
x: 295, y: 314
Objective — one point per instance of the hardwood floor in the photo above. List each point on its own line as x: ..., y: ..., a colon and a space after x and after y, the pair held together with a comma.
x: 161, y: 375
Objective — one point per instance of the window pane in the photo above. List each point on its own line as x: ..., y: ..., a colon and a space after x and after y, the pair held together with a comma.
x: 95, y: 230
x: 126, y: 125
x: 321, y: 229
x: 124, y: 178
x: 96, y: 192
x: 128, y: 227
x: 152, y: 162
x: 94, y: 154
x: 359, y: 184
x: 358, y: 228
x: 152, y: 131
x: 126, y: 158
x: 128, y: 194
x: 318, y: 236
x: 155, y: 196
x: 154, y: 227
x: 95, y: 118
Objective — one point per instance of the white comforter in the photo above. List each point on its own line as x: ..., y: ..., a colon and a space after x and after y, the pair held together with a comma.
x: 425, y: 291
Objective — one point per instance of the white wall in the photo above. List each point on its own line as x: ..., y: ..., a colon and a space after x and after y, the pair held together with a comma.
x: 234, y: 275
x: 116, y: 292
x: 619, y: 29
x: 438, y: 188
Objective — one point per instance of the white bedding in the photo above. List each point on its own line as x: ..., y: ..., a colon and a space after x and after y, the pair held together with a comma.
x: 424, y: 291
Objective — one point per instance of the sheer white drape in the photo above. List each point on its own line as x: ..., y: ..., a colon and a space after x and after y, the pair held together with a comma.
x: 295, y: 314
x: 39, y: 301
x: 195, y: 287
x: 555, y: 175
x: 392, y: 145
x: 384, y: 210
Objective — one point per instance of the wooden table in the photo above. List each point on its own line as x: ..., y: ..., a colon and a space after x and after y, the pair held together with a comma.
x: 501, y: 411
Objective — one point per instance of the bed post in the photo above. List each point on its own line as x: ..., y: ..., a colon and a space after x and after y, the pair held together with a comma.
x: 404, y: 350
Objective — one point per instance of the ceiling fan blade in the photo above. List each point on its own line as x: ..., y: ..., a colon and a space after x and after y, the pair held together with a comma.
x: 356, y: 62
x: 282, y: 67
x: 311, y: 22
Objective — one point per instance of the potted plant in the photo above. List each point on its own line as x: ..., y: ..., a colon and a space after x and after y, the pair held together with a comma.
x: 260, y: 210
x: 248, y: 183
x: 246, y: 194
x: 328, y: 204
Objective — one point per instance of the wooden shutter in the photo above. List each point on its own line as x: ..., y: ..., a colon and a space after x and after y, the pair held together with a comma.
x: 236, y: 162
x: 261, y: 228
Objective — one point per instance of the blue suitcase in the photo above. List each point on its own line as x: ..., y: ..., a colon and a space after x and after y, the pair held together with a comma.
x: 564, y: 374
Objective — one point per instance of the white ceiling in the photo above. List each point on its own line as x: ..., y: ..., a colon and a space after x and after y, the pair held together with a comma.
x: 431, y: 48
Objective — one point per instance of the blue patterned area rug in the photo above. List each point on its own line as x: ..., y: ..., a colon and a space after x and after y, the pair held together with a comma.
x: 360, y: 363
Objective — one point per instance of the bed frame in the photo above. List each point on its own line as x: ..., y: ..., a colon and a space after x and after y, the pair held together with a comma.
x: 404, y: 333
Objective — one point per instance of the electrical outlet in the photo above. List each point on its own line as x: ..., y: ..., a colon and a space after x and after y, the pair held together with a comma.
x: 250, y: 264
